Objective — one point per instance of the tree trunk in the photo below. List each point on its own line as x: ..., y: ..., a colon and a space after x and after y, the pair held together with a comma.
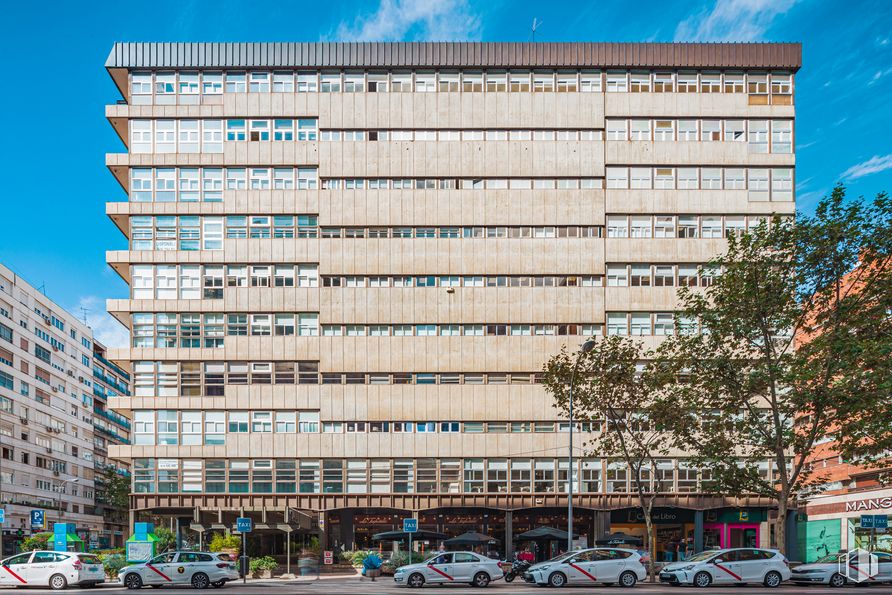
x: 648, y: 545
x: 780, y: 530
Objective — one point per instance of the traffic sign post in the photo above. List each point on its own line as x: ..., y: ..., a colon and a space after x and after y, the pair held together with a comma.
x: 410, y: 526
x: 244, y: 525
x: 2, y: 520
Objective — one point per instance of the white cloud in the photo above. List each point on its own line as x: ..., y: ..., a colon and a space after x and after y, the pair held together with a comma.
x: 415, y: 20
x: 106, y: 329
x: 873, y: 165
x: 732, y: 20
x: 878, y: 75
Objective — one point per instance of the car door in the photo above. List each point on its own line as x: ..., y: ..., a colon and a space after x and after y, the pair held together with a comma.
x: 884, y: 567
x: 41, y: 567
x: 13, y: 570
x: 578, y: 568
x: 158, y: 569
x: 185, y: 566
x: 752, y: 565
x: 464, y: 566
x: 439, y: 570
x: 611, y: 565
x: 725, y: 568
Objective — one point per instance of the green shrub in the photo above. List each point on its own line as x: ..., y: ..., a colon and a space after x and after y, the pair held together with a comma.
x: 220, y: 542
x: 38, y: 541
x: 113, y: 563
x: 167, y: 540
x: 264, y: 563
x: 402, y: 558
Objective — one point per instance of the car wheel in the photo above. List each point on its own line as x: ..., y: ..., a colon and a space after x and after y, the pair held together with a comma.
x: 58, y: 582
x: 837, y: 580
x: 200, y: 580
x: 702, y: 579
x: 133, y: 581
x: 773, y: 579
x: 415, y: 580
x: 481, y: 579
x: 557, y: 579
x: 628, y: 579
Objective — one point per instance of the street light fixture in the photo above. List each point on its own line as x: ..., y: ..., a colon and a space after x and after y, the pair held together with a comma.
x: 58, y: 501
x: 583, y: 349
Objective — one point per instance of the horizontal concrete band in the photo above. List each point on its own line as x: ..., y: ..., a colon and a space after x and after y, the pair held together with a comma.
x: 455, y: 54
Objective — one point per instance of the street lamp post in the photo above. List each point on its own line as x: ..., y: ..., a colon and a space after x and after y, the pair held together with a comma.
x: 58, y: 501
x: 584, y: 348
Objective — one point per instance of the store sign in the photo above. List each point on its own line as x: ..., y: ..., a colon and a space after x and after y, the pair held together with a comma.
x: 666, y: 516
x: 869, y: 504
x: 328, y: 557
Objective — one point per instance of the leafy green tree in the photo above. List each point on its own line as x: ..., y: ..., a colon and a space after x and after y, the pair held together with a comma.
x: 618, y: 388
x: 793, y: 345
x: 167, y: 539
x: 38, y: 541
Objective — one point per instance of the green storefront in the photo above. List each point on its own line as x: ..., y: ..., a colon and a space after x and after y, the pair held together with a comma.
x: 818, y: 538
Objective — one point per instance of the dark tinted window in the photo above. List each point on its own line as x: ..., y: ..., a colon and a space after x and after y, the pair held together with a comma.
x: 188, y: 557
x: 205, y: 558
x: 20, y: 559
x: 89, y: 559
x: 43, y: 557
x: 442, y: 559
x: 729, y: 556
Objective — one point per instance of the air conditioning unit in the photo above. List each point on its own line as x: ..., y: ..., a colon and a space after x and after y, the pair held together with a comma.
x: 57, y: 430
x: 55, y: 348
x: 70, y: 373
x: 47, y: 321
x: 55, y: 390
x: 24, y: 421
x: 49, y: 428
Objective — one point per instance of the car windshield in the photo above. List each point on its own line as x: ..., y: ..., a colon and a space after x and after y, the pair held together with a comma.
x: 829, y: 559
x: 701, y: 556
x: 560, y: 557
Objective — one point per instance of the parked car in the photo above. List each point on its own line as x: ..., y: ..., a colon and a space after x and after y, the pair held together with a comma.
x: 729, y: 566
x: 605, y: 565
x: 57, y: 570
x: 831, y: 570
x: 199, y: 569
x: 450, y: 567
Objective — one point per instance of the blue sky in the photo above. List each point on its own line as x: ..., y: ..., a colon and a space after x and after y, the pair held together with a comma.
x: 54, y: 231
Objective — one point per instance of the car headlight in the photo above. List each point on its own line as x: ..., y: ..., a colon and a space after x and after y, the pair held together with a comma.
x: 688, y: 567
x: 546, y: 567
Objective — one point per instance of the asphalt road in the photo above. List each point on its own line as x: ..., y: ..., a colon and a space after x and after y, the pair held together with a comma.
x: 353, y: 585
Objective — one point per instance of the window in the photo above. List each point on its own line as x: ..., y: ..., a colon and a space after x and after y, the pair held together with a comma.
x: 758, y: 136
x: 617, y: 177
x: 757, y: 184
x: 781, y: 136
x: 283, y: 82
x: 781, y: 184
x: 617, y: 82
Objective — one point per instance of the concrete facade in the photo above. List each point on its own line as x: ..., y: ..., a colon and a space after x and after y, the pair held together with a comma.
x: 341, y: 295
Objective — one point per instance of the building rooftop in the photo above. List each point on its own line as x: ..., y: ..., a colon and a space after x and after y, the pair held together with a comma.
x: 128, y: 55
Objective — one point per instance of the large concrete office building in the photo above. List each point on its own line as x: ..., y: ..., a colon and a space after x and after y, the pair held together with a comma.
x: 46, y: 416
x: 348, y: 262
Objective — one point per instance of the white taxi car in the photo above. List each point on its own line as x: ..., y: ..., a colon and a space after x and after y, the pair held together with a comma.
x: 836, y: 570
x: 56, y: 570
x: 606, y: 565
x: 199, y: 569
x: 729, y: 566
x: 450, y: 567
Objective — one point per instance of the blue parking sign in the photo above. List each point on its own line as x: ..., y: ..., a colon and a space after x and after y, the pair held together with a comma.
x: 410, y: 525
x: 244, y: 525
x: 2, y: 516
x: 37, y: 519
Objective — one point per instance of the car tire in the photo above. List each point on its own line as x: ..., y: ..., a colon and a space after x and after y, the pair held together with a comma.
x: 837, y: 580
x: 481, y: 580
x: 702, y: 579
x: 557, y: 579
x: 628, y: 579
x: 773, y: 579
x: 58, y: 582
x: 415, y: 580
x: 200, y: 581
x: 133, y: 581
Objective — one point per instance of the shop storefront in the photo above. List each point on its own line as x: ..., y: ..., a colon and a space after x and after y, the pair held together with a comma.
x: 732, y: 528
x: 673, y: 537
x: 847, y: 521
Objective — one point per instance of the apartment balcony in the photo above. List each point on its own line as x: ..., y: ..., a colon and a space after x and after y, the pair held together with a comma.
x: 120, y: 388
x: 113, y: 417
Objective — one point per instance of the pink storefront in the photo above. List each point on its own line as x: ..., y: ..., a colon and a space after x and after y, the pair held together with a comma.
x: 722, y: 535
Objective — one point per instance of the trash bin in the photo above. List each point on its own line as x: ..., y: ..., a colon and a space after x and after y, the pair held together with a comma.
x: 243, y: 566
